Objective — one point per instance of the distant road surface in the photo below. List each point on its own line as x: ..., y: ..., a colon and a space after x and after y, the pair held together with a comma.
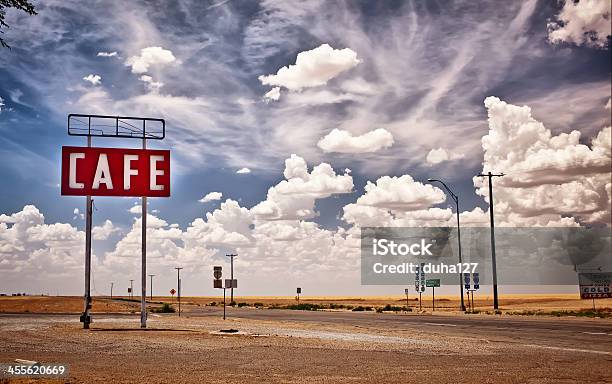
x: 563, y: 332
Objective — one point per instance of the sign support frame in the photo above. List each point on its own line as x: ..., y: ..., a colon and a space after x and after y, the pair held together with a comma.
x: 122, y: 127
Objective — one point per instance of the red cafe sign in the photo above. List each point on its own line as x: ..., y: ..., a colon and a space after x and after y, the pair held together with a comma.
x: 115, y: 172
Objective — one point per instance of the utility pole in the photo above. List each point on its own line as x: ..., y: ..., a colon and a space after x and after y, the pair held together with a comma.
x: 456, y: 200
x: 151, y: 286
x: 112, y: 289
x: 178, y: 284
x: 491, y: 176
x: 231, y: 256
x: 131, y: 288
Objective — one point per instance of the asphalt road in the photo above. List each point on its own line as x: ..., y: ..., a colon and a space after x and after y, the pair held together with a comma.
x: 564, y: 333
x: 593, y: 335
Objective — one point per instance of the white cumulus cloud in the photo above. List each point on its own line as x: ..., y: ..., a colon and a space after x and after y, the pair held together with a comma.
x: 400, y: 193
x: 581, y: 22
x: 313, y: 68
x: 211, y: 196
x: 243, y: 170
x: 104, y: 231
x: 439, y: 155
x: 550, y: 179
x: 273, y: 94
x: 344, y: 142
x: 149, y: 56
x: 294, y: 198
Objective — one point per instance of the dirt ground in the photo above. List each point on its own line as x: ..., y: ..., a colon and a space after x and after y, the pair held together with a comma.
x: 191, y: 350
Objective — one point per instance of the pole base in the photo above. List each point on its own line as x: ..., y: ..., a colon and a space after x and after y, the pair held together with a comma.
x: 85, y: 318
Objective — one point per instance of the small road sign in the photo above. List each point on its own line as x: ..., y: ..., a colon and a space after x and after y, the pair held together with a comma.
x: 432, y: 283
x: 595, y: 285
x: 172, y: 291
x: 229, y: 283
x: 217, y: 272
x: 299, y: 290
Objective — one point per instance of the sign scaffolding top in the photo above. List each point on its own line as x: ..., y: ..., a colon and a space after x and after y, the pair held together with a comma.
x: 116, y: 126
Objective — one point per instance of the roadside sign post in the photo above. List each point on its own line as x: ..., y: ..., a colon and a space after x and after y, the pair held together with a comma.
x: 231, y: 256
x: 172, y: 292
x: 406, y: 291
x: 433, y: 283
x: 476, y: 278
x: 88, y: 171
x: 299, y: 290
x: 229, y: 284
x: 178, y: 286
x: 466, y: 280
x: 218, y: 283
x: 419, y: 282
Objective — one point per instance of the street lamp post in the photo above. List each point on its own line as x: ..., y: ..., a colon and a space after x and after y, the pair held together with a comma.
x: 456, y: 199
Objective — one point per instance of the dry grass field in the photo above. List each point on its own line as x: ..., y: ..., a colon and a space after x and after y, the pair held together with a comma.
x: 508, y: 303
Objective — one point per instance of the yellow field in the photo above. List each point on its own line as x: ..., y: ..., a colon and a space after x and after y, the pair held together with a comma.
x: 74, y: 304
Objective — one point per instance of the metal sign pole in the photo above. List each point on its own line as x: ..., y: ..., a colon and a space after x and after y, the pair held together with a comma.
x: 143, y: 276
x: 420, y: 301
x: 473, y: 309
x: 231, y: 256
x: 223, y: 303
x: 178, y: 284
x: 433, y: 299
x: 86, y: 319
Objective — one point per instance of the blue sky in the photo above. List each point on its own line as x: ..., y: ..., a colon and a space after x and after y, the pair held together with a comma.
x: 417, y: 71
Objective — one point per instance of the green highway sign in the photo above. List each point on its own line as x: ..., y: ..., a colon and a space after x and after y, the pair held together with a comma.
x: 432, y: 283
